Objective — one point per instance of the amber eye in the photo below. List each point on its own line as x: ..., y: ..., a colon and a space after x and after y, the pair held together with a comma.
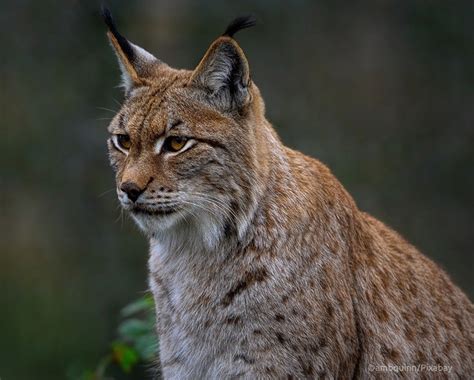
x: 175, y: 143
x: 123, y: 141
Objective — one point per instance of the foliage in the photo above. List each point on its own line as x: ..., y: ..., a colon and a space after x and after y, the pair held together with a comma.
x: 136, y: 342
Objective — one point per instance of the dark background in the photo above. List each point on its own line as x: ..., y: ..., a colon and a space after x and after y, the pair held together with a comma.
x: 381, y: 91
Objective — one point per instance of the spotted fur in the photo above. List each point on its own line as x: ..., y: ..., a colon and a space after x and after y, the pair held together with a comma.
x: 261, y: 264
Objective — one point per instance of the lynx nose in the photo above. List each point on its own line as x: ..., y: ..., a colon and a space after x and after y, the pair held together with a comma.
x: 132, y: 190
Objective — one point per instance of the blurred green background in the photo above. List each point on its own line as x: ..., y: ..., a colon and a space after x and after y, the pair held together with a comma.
x: 381, y: 91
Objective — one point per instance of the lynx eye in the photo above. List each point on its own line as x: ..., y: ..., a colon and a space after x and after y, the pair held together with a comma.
x: 123, y: 141
x: 175, y: 143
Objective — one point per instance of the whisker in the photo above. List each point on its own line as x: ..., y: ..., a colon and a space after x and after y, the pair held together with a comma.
x: 119, y: 216
x: 224, y: 208
x: 198, y: 206
x: 205, y: 207
x: 117, y: 102
x: 219, y: 203
x: 107, y: 109
x: 105, y: 192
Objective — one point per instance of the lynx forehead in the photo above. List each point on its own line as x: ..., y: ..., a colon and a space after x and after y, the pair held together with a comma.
x: 261, y: 265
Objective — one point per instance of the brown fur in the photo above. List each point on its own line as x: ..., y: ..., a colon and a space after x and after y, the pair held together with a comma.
x: 266, y: 268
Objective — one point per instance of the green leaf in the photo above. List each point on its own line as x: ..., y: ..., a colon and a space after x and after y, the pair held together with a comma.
x: 137, y: 340
x: 125, y: 356
x: 133, y: 328
x: 144, y: 303
x: 147, y: 347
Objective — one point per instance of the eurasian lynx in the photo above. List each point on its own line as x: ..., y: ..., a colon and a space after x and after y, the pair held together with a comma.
x: 261, y: 265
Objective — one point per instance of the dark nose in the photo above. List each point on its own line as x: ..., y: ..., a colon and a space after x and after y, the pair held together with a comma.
x: 132, y: 190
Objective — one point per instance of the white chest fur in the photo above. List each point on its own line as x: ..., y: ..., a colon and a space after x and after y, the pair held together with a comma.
x: 193, y: 326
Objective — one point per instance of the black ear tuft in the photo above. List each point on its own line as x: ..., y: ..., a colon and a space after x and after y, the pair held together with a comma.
x: 108, y: 19
x: 122, y: 41
x: 240, y: 23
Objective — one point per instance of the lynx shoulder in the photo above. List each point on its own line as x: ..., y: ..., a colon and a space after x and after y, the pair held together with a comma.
x: 261, y: 264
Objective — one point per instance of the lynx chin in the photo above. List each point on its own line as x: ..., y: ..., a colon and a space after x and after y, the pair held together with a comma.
x: 261, y: 265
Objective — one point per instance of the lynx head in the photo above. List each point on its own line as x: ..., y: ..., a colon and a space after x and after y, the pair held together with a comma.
x: 185, y: 145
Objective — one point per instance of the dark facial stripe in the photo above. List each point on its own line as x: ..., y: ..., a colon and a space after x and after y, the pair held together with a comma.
x: 121, y: 121
x: 155, y: 99
x: 213, y: 143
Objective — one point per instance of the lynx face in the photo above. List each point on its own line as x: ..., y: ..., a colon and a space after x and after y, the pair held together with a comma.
x: 182, y: 138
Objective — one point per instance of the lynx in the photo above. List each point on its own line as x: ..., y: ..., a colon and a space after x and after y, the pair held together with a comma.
x: 261, y: 264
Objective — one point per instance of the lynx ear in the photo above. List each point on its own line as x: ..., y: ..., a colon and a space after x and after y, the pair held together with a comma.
x: 135, y: 63
x: 224, y: 71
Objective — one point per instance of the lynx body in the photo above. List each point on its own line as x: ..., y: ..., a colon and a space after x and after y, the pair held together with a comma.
x: 261, y: 265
